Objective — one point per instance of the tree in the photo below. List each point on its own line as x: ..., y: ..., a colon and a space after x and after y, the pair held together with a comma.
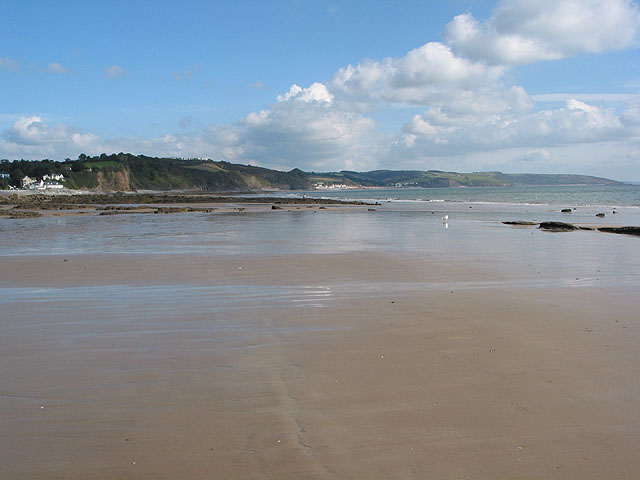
x: 77, y: 166
x: 16, y: 176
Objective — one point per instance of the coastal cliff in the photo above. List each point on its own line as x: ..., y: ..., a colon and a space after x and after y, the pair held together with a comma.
x: 127, y: 172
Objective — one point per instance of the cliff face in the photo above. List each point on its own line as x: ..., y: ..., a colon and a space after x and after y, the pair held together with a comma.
x: 114, y: 180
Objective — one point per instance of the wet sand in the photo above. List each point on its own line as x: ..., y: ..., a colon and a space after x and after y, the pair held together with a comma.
x: 358, y: 364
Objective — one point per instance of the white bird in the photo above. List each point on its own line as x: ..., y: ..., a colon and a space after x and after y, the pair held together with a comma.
x: 445, y: 218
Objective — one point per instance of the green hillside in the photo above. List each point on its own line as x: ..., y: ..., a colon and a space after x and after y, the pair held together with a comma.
x: 127, y: 172
x: 435, y: 178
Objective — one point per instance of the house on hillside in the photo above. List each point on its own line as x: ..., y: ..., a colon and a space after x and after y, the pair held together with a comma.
x: 56, y: 177
x: 42, y: 185
x: 26, y: 181
x: 49, y: 185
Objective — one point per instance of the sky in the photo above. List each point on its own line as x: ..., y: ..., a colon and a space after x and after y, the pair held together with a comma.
x: 540, y: 86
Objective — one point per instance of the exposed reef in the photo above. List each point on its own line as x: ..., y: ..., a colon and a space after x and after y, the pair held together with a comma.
x: 569, y: 227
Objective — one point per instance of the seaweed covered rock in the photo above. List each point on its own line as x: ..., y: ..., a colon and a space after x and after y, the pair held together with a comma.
x: 623, y: 230
x: 520, y: 223
x: 558, y: 226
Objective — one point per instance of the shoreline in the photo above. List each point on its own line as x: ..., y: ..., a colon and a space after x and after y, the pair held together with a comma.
x: 39, y: 205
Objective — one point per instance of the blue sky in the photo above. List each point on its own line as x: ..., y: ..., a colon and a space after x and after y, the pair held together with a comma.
x: 511, y: 85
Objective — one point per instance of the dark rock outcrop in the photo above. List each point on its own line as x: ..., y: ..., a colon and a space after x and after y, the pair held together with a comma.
x: 623, y: 230
x: 558, y: 226
x: 520, y: 222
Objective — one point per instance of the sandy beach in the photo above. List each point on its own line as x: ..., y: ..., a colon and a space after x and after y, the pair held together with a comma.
x: 273, y: 349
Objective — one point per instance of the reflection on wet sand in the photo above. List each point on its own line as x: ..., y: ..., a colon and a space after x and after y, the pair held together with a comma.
x: 262, y: 346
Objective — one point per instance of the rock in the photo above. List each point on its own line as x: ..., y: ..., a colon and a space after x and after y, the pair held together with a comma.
x: 623, y: 230
x: 566, y: 210
x: 371, y: 209
x: 27, y: 214
x: 599, y: 214
x: 520, y: 222
x: 273, y: 207
x: 557, y: 226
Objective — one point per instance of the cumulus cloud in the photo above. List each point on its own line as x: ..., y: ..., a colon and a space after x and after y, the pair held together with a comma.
x: 30, y: 137
x: 429, y: 75
x: 317, y: 92
x: 32, y: 131
x: 114, y: 71
x: 302, y: 129
x: 523, y: 31
x: 433, y: 133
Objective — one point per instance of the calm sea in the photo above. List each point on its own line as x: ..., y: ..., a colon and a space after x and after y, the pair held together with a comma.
x: 625, y: 195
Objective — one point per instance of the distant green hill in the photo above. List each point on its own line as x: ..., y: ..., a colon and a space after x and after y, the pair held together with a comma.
x: 127, y: 172
x: 435, y: 178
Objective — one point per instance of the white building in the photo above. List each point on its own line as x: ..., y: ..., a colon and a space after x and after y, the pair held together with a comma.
x: 54, y: 176
x: 26, y: 181
x: 42, y: 185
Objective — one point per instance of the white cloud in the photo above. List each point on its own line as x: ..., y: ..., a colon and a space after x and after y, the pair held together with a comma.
x: 56, y: 68
x: 429, y: 75
x: 523, y: 31
x: 32, y: 131
x: 258, y: 86
x: 30, y: 137
x: 317, y: 92
x: 586, y: 97
x: 537, y: 156
x: 114, y: 71
x: 433, y: 133
x: 7, y: 63
x: 303, y: 129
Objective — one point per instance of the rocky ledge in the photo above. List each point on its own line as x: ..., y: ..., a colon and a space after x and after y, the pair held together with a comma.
x: 569, y: 227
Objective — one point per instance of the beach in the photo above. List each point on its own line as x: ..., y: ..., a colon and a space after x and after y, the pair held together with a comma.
x: 344, y: 342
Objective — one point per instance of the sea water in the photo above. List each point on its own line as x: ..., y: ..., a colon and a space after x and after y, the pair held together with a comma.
x: 605, y: 196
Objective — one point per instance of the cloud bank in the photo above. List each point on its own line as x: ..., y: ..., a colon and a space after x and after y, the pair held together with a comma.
x: 524, y: 31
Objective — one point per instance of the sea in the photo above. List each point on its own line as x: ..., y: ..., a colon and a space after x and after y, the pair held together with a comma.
x: 433, y: 220
x: 605, y: 196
